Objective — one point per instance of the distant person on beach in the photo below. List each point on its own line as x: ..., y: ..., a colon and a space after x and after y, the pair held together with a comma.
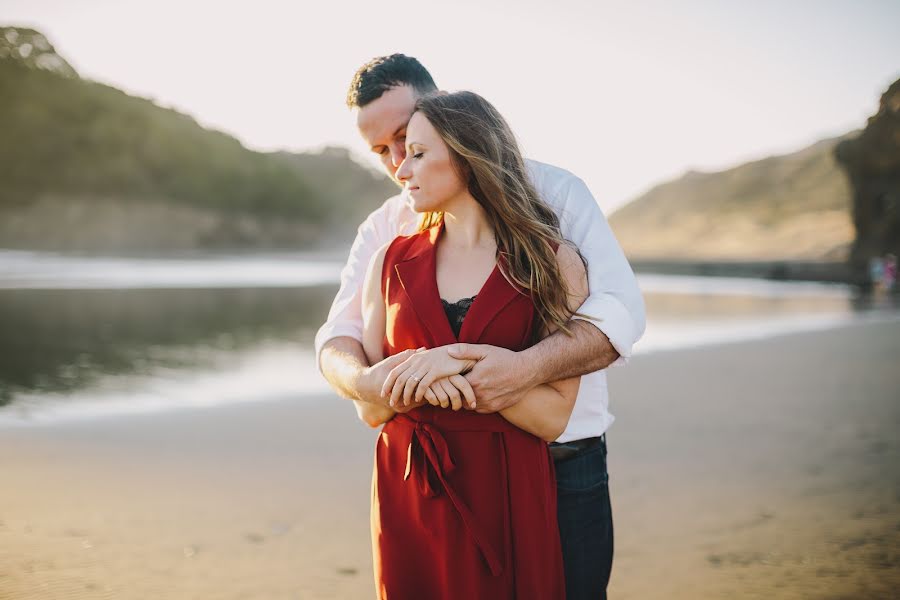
x: 889, y: 273
x: 491, y: 377
x: 876, y: 271
x: 883, y: 273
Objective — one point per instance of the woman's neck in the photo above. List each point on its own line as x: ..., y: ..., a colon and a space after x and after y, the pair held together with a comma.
x: 466, y: 225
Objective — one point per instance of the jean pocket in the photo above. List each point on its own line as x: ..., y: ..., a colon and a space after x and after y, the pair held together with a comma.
x: 584, y: 473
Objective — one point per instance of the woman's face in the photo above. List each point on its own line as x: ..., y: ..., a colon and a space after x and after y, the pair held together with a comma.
x: 427, y: 172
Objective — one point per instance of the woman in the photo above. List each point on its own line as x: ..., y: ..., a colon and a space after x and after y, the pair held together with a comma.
x: 464, y: 504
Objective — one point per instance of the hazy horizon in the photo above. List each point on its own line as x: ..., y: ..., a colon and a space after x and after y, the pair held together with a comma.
x: 624, y: 96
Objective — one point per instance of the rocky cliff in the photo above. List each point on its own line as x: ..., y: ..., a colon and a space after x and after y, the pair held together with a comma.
x: 872, y: 163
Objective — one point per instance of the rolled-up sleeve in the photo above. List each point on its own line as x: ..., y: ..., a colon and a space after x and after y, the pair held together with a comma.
x: 615, y: 304
x: 345, y: 317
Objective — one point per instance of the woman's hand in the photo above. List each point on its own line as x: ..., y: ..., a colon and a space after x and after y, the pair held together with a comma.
x: 450, y: 392
x: 408, y: 381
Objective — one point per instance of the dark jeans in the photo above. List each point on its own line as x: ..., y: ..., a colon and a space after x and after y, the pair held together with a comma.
x: 585, y: 523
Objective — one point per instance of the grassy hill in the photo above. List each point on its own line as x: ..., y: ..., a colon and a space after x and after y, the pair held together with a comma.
x: 85, y: 166
x: 795, y: 206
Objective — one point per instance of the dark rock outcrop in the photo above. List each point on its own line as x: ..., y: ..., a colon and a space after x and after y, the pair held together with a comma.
x: 872, y: 163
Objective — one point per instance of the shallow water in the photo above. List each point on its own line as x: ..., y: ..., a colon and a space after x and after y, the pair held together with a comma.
x: 84, y: 336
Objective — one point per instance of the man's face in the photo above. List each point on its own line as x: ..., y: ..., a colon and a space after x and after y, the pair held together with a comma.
x: 382, y: 124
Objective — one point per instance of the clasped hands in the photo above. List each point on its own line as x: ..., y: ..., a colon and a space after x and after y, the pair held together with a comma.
x: 431, y: 376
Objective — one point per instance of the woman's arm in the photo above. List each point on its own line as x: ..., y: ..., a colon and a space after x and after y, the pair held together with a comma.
x: 373, y: 313
x: 544, y: 411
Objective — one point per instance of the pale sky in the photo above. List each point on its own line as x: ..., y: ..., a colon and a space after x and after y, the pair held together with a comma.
x: 623, y: 94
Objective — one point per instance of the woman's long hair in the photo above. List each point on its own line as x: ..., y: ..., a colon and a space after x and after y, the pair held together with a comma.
x: 487, y: 156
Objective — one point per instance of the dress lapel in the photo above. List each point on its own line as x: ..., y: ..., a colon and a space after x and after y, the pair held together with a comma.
x: 494, y: 297
x: 417, y: 276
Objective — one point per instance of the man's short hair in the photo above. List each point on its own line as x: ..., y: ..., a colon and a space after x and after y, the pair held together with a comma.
x: 385, y: 72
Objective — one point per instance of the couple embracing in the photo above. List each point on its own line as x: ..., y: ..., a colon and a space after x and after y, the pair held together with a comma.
x: 476, y: 314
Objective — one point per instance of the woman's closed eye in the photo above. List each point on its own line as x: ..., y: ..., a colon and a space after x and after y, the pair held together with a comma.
x: 418, y: 155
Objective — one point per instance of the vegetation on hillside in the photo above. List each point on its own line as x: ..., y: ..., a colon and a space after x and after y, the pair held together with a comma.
x: 70, y: 142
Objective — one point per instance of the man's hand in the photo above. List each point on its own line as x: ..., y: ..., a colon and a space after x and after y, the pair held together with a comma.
x: 499, y: 377
x: 409, y: 381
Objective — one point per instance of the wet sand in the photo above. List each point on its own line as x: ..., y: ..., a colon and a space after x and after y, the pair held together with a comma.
x: 765, y: 469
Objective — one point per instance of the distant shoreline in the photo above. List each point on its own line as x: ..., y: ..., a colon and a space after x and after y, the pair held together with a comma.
x: 779, y: 270
x: 773, y: 270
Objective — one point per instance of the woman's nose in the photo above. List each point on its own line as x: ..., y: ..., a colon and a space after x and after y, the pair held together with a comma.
x: 403, y: 171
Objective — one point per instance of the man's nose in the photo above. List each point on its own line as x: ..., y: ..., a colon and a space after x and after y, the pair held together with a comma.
x: 398, y: 154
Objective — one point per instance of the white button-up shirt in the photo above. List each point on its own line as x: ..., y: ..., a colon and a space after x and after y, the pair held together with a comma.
x: 615, y: 305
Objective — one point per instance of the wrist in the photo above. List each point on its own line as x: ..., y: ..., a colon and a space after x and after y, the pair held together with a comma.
x: 528, y: 369
x: 366, y: 388
x: 520, y: 380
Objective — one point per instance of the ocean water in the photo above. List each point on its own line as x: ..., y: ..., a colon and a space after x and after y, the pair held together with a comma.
x: 87, y: 337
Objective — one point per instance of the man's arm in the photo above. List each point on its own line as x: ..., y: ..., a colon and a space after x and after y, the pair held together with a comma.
x: 343, y: 363
x: 545, y: 409
x: 609, y: 322
x: 615, y: 305
x: 339, y: 349
x: 501, y: 377
x: 559, y: 356
x: 373, y: 309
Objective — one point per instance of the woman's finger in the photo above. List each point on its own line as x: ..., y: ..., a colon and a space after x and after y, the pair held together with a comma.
x: 396, y: 392
x: 456, y: 400
x: 409, y: 389
x: 462, y: 384
x: 427, y: 379
x: 438, y: 388
x: 392, y: 377
x: 431, y: 398
x: 449, y: 389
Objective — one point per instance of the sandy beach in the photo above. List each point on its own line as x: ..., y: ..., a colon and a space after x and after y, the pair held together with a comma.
x: 764, y: 469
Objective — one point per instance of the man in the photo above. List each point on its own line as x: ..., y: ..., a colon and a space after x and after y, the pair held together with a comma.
x: 383, y: 94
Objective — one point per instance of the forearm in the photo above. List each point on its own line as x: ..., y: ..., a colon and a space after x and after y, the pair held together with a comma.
x: 343, y: 361
x: 543, y: 412
x: 344, y: 364
x: 559, y: 356
x: 373, y: 415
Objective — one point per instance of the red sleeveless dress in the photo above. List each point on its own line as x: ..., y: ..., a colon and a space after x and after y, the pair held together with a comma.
x: 463, y: 504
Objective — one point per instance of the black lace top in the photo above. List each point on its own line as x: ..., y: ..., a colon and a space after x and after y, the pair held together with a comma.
x: 456, y: 312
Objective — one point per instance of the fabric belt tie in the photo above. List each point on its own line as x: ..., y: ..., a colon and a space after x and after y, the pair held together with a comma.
x: 435, y: 458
